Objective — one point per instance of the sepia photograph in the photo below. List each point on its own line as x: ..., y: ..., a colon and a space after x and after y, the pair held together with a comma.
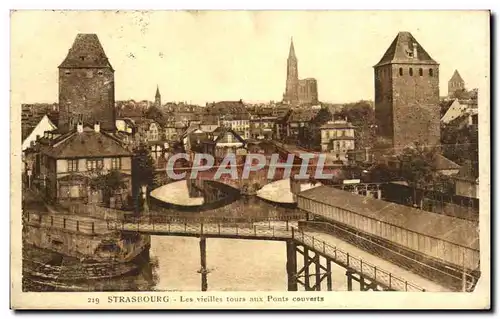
x: 270, y: 152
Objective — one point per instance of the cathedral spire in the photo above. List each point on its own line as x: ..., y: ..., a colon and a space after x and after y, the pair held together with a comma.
x: 291, y: 54
x: 157, y: 97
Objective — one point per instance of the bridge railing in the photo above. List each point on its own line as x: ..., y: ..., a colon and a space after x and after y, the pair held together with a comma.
x: 158, y: 219
x: 63, y: 222
x: 217, y: 229
x: 278, y: 232
x: 366, y: 269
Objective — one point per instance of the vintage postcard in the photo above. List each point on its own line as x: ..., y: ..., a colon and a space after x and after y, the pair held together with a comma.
x: 250, y: 160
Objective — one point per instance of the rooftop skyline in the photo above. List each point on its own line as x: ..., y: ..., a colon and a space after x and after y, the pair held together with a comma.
x: 201, y: 57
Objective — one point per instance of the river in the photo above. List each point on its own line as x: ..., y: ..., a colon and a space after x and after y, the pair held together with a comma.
x: 234, y: 265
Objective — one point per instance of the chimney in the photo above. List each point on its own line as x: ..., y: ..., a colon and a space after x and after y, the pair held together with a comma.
x: 97, y: 127
x: 79, y: 127
x: 415, y: 54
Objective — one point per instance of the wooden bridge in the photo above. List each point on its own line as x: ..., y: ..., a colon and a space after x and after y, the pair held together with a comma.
x: 316, y: 253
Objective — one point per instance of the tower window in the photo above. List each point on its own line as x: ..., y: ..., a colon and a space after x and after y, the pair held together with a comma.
x: 431, y: 72
x: 400, y: 71
x: 420, y: 72
x: 411, y: 71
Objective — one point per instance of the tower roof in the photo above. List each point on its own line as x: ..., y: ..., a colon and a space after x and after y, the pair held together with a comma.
x: 456, y: 77
x: 402, y: 50
x: 157, y: 92
x: 86, y: 52
x: 291, y: 54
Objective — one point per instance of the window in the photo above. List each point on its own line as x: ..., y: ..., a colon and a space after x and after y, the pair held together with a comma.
x: 93, y: 164
x: 400, y: 71
x: 116, y: 163
x: 67, y: 72
x: 82, y: 57
x: 72, y: 165
x: 420, y: 72
x: 411, y: 71
x: 99, y: 72
x: 431, y: 72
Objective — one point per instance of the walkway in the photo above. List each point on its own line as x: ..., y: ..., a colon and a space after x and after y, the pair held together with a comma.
x: 385, y: 273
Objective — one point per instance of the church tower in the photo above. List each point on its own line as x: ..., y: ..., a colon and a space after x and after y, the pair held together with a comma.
x: 86, y: 86
x: 157, y: 97
x: 292, y: 77
x: 456, y: 83
x: 407, y: 94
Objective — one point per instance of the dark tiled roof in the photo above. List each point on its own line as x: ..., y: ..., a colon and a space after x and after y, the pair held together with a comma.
x: 221, y: 131
x: 86, y: 144
x: 455, y: 230
x: 456, y: 77
x: 397, y: 51
x: 230, y: 109
x: 86, y: 52
x: 303, y: 115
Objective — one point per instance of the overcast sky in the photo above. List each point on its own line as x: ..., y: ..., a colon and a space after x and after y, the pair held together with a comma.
x: 211, y: 56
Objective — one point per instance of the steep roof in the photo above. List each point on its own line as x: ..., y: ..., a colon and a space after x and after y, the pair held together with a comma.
x: 86, y: 52
x: 443, y: 163
x: 291, y: 54
x: 401, y: 50
x: 88, y: 143
x: 456, y: 77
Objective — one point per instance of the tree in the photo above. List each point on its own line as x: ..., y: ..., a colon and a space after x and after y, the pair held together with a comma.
x: 142, y: 171
x: 156, y: 114
x: 417, y: 168
x: 108, y: 184
x: 460, y: 141
x: 362, y: 115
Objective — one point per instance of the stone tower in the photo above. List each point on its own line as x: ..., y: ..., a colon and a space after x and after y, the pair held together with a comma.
x: 157, y: 97
x: 86, y: 85
x: 407, y: 94
x: 456, y: 83
x: 292, y: 77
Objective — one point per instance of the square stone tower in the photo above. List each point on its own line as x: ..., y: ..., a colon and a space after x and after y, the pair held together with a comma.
x: 86, y: 86
x: 407, y: 94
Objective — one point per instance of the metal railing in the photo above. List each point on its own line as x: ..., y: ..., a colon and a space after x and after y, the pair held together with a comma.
x: 281, y: 232
x: 368, y: 270
x: 61, y: 222
x: 172, y: 218
x: 215, y: 229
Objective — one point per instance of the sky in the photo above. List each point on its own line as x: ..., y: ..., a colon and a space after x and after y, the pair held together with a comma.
x: 205, y: 56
